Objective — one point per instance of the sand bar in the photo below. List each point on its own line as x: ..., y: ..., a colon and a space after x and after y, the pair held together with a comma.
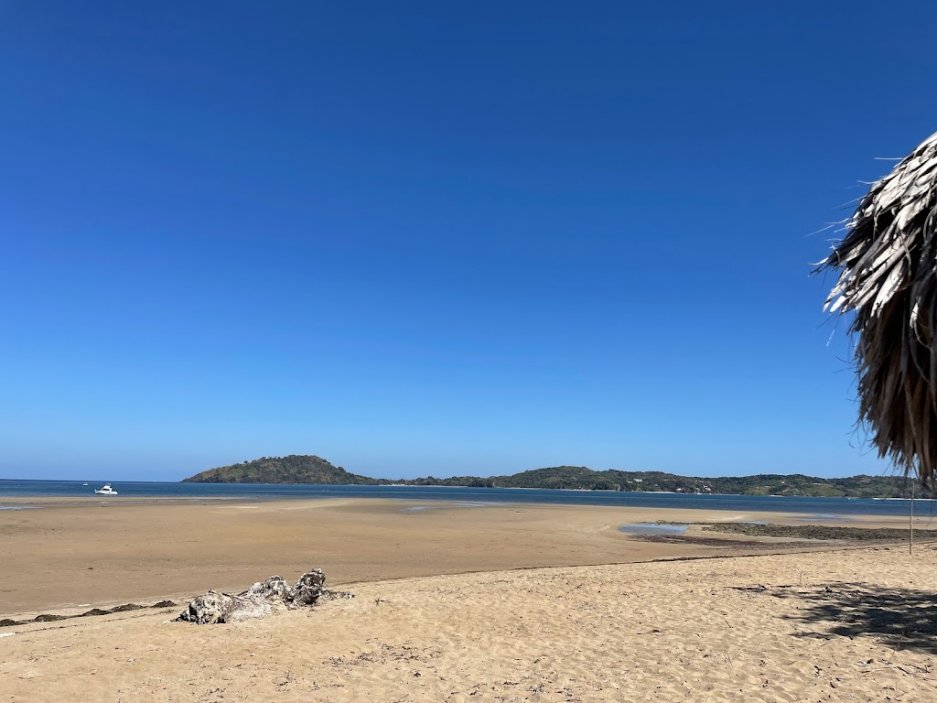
x: 71, y: 553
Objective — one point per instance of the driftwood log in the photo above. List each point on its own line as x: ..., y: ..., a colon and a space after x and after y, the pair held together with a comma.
x: 261, y: 599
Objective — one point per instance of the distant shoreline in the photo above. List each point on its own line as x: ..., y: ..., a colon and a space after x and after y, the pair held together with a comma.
x: 428, y: 486
x: 312, y: 469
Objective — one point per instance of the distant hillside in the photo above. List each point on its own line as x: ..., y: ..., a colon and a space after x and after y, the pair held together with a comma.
x: 288, y: 469
x: 759, y: 484
x: 583, y: 478
x: 313, y: 469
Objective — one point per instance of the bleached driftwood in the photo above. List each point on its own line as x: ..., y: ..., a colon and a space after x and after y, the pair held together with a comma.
x: 261, y: 599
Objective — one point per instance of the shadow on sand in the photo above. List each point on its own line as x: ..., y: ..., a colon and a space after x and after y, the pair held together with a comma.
x: 900, y: 618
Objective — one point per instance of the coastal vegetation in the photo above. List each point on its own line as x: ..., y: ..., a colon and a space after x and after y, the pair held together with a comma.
x: 314, y: 469
x: 296, y: 468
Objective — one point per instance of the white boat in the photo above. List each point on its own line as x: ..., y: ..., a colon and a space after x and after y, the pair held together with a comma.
x: 105, y: 490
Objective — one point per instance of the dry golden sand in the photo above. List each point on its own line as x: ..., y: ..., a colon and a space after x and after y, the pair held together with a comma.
x: 846, y: 625
x: 727, y: 629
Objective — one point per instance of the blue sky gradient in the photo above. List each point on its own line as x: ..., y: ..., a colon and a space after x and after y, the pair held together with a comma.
x: 433, y: 238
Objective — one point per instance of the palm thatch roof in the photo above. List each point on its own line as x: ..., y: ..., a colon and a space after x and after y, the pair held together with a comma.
x: 887, y: 265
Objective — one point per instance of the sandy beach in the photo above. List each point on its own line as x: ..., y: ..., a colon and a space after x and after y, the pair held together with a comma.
x: 71, y: 552
x: 453, y: 603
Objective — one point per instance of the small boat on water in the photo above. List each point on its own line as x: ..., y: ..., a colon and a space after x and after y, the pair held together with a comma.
x: 105, y: 490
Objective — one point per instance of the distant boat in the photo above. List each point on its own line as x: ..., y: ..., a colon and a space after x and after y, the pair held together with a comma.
x: 85, y: 483
x: 105, y: 490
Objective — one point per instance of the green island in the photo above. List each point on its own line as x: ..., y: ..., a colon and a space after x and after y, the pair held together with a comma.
x: 313, y: 469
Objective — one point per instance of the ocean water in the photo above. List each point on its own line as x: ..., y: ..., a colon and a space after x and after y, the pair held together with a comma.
x: 830, y: 508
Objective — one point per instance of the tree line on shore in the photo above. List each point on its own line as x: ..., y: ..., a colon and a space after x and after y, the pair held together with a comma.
x: 316, y: 470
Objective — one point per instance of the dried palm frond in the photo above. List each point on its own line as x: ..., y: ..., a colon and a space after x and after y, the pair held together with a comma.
x: 888, y: 277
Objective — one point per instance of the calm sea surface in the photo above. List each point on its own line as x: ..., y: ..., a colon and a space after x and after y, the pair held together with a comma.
x: 819, y: 508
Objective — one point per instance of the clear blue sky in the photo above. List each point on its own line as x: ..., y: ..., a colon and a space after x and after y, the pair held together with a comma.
x: 437, y: 237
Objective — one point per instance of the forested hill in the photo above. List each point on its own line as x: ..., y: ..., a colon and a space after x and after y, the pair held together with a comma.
x: 296, y: 468
x: 314, y: 469
x: 581, y: 477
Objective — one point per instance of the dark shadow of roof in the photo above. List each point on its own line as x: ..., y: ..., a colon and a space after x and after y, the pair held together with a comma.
x: 900, y: 618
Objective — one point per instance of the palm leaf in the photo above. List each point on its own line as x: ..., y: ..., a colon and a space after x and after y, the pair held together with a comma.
x: 887, y: 265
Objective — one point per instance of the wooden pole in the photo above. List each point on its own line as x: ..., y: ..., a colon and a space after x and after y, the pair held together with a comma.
x: 911, y: 521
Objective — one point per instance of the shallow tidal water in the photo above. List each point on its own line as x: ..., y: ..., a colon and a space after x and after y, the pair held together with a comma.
x: 828, y: 508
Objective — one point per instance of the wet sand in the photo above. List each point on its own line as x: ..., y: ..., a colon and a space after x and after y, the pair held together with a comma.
x: 74, y: 552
